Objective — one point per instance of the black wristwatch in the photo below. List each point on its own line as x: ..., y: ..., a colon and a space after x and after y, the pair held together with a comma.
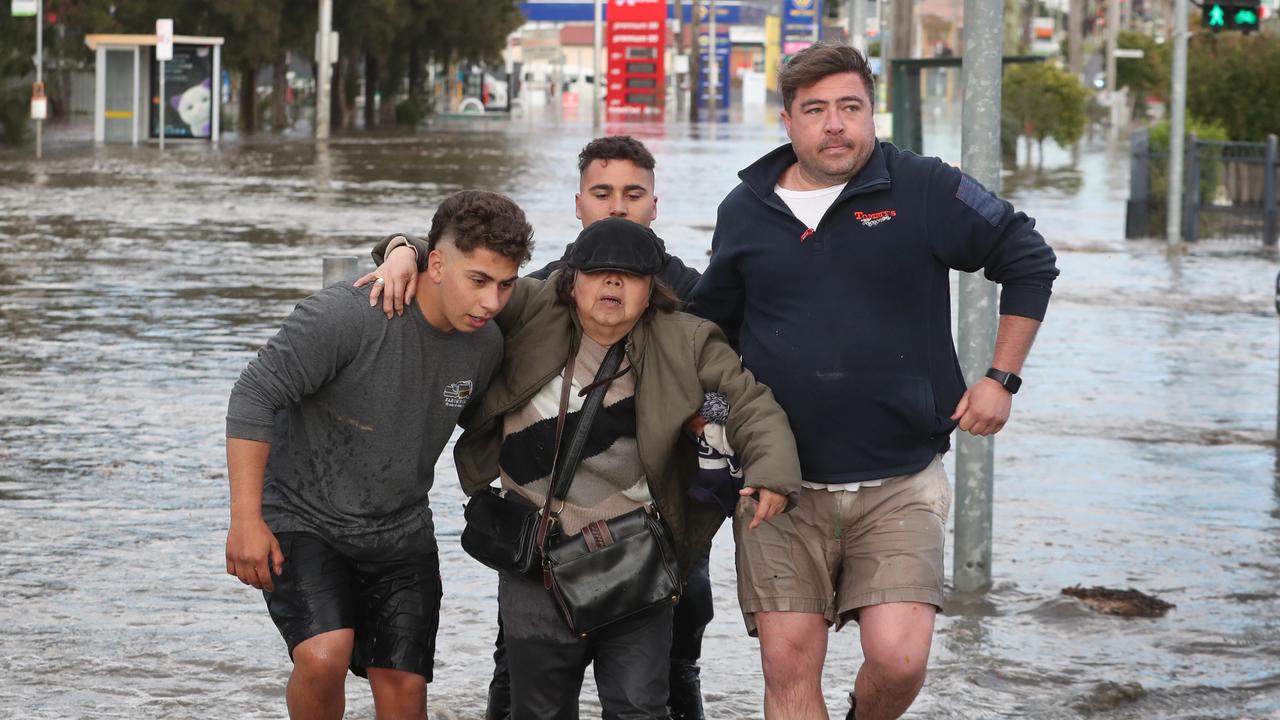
x: 1007, y: 380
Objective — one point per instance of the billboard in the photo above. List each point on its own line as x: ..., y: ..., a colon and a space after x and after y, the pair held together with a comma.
x: 188, y: 79
x: 723, y: 50
x: 801, y: 24
x: 636, y: 39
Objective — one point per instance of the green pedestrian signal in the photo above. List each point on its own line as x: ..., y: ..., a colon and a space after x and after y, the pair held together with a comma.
x: 1242, y: 15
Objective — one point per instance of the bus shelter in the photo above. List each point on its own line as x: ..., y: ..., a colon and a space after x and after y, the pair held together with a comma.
x: 127, y: 88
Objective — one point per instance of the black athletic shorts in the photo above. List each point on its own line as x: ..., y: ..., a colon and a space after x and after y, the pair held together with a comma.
x: 393, y: 603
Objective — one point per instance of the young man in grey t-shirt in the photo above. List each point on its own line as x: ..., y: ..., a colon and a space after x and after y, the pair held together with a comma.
x: 333, y: 432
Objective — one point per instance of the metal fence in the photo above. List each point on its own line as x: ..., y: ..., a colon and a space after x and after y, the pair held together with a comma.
x: 1234, y: 192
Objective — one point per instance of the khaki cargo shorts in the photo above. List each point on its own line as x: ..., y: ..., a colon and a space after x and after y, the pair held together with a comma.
x: 836, y: 552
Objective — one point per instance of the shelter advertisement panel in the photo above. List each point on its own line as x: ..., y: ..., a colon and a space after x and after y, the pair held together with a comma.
x: 188, y: 89
x: 637, y: 35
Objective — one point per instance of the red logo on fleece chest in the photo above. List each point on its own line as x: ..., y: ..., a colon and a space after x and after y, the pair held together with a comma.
x: 875, y: 218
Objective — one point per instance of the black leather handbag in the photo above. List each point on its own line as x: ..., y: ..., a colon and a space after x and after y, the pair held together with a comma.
x: 500, y: 533
x: 614, y: 568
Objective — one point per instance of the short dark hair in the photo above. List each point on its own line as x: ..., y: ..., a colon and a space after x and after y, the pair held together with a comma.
x: 616, y: 147
x: 478, y: 218
x: 819, y: 61
x: 661, y: 297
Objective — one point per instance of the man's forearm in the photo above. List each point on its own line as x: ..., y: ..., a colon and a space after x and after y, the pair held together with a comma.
x: 1013, y: 342
x: 246, y: 464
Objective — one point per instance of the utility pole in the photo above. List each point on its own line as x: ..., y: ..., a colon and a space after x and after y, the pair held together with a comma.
x: 40, y: 74
x: 679, y: 37
x: 1113, y: 34
x: 713, y: 69
x: 900, y: 27
x: 980, y: 158
x: 596, y: 52
x: 324, y: 70
x: 858, y: 25
x: 1075, y: 30
x: 1177, y: 126
x: 695, y: 60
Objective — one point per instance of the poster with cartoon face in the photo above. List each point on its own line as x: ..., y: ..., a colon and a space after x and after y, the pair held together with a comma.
x: 188, y: 80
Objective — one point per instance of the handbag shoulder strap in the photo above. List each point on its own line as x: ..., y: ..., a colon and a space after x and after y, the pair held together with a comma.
x: 569, y: 453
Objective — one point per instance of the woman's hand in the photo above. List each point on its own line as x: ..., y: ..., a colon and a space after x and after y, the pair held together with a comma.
x: 768, y: 504
x: 395, y: 280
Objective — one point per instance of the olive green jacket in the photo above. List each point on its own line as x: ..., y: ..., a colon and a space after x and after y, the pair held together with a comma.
x: 677, y: 357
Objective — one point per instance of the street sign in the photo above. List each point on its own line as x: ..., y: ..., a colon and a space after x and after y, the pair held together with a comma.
x: 1128, y: 52
x: 24, y: 8
x: 164, y: 39
x: 1242, y: 15
x: 39, y: 104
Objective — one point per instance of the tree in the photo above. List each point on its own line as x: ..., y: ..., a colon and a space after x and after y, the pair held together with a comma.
x: 1145, y: 76
x: 1231, y: 79
x: 1045, y: 102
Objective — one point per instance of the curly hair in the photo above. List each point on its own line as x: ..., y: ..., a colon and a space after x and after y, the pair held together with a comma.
x: 478, y: 218
x: 616, y: 147
x: 818, y: 61
x: 661, y: 297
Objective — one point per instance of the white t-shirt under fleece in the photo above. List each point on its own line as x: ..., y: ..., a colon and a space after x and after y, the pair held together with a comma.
x: 809, y: 205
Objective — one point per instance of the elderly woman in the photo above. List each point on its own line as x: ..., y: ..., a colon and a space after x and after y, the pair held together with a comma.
x: 636, y: 454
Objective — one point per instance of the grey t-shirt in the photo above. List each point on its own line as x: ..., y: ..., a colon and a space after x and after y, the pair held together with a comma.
x: 357, y: 409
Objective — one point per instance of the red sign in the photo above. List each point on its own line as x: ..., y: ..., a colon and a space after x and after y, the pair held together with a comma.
x: 637, y: 41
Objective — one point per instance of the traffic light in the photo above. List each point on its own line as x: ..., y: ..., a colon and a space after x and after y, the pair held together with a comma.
x: 1242, y: 15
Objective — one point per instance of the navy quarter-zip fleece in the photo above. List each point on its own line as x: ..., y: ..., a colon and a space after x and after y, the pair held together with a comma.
x: 850, y: 324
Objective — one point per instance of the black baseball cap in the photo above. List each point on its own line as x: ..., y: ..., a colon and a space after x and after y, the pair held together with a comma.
x: 617, y: 244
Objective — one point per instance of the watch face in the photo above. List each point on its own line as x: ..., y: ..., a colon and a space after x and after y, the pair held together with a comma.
x: 1012, y: 383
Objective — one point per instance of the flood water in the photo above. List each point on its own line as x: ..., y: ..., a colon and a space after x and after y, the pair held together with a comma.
x: 133, y: 289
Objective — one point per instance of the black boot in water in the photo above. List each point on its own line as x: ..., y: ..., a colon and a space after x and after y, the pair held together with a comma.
x: 685, y: 694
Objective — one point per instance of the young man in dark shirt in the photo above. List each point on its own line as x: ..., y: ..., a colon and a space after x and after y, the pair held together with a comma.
x: 333, y: 432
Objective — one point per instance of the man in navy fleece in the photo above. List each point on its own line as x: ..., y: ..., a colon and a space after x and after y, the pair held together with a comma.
x: 830, y: 270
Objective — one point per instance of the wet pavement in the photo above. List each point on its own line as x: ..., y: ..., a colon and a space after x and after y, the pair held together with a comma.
x: 134, y: 288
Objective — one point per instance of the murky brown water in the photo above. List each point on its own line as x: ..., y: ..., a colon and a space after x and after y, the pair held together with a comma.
x: 134, y: 288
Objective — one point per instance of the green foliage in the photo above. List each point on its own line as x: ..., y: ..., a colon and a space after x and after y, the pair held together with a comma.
x: 1044, y: 102
x: 403, y: 36
x: 1232, y: 79
x: 15, y: 114
x: 1147, y: 75
x: 1158, y: 167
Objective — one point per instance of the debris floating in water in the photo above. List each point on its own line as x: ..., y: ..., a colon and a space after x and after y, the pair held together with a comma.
x: 1125, y: 603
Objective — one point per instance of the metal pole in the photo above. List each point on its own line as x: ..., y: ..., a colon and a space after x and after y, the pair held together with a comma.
x: 1177, y: 125
x: 713, y: 67
x: 1113, y: 33
x: 858, y: 25
x: 162, y: 104
x: 1269, y: 192
x: 883, y: 85
x: 596, y: 52
x: 980, y: 157
x: 40, y: 73
x: 335, y: 269
x: 679, y: 38
x: 323, y: 70
x: 137, y: 92
x: 695, y: 60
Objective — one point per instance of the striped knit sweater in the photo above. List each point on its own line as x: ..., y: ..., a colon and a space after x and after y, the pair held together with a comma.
x: 609, y: 481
